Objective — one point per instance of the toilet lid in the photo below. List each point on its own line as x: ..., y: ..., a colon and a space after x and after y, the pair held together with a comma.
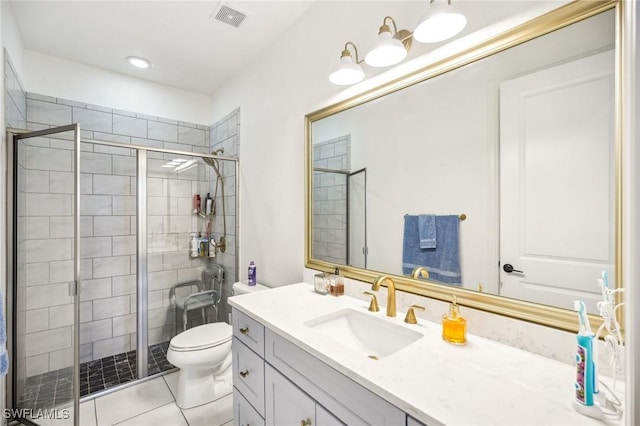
x: 202, y: 337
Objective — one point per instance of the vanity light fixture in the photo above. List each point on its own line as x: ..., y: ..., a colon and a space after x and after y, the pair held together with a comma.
x: 441, y: 22
x: 347, y: 72
x: 139, y: 62
x: 390, y: 48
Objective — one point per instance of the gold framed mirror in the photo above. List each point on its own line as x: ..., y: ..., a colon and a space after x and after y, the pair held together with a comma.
x: 480, y: 235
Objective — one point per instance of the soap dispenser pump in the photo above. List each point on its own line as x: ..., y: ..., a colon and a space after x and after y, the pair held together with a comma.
x: 454, y: 326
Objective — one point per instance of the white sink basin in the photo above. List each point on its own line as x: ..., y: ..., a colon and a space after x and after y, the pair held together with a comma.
x: 372, y: 336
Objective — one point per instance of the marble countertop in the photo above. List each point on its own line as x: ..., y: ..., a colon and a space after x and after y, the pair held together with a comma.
x: 480, y: 383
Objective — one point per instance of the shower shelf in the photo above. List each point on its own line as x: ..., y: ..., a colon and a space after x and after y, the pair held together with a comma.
x: 205, y: 216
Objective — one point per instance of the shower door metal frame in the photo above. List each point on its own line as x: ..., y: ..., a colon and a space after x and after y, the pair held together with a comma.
x: 365, y: 249
x: 14, y: 135
x: 142, y: 286
x: 141, y: 244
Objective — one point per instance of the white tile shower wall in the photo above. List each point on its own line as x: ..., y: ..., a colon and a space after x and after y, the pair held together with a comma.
x: 330, y: 200
x: 225, y: 134
x: 108, y: 229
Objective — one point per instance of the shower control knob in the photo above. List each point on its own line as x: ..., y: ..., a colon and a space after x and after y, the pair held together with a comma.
x: 508, y: 268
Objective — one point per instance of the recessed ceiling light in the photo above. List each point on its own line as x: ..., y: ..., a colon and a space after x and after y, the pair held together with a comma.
x: 138, y: 62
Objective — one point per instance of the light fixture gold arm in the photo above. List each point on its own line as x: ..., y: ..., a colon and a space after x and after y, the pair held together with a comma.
x: 405, y: 36
x: 386, y: 27
x: 346, y: 52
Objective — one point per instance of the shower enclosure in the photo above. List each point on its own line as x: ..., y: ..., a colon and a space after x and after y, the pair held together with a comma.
x: 101, y: 233
x: 340, y: 216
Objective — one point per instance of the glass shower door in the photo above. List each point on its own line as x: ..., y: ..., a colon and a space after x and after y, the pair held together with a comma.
x: 45, y: 273
x: 174, y: 270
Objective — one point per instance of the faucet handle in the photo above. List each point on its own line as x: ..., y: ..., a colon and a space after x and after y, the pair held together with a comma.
x: 373, y: 307
x: 410, y: 318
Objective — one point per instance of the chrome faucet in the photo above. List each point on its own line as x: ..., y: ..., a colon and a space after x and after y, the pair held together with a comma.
x: 419, y: 272
x: 391, y: 293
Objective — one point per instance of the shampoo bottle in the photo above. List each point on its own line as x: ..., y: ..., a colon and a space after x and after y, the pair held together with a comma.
x: 252, y: 273
x: 194, y: 245
x: 454, y: 326
x: 208, y: 204
x: 196, y: 204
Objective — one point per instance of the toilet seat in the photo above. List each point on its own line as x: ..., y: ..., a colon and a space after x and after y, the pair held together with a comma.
x: 202, y: 337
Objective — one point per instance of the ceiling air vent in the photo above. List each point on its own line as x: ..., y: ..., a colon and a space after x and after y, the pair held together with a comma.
x: 230, y: 16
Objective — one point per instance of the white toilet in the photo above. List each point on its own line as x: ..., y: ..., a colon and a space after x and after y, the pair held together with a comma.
x: 203, y: 354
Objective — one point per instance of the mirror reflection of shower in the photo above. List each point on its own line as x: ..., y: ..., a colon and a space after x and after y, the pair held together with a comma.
x: 339, y: 210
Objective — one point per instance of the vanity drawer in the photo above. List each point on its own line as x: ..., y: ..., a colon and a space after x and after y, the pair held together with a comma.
x: 243, y: 413
x: 248, y: 374
x: 248, y: 331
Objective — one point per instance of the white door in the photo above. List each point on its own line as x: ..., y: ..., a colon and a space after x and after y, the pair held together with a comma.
x: 557, y: 182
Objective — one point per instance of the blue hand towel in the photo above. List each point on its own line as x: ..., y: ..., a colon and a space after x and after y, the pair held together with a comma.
x: 427, y: 230
x: 442, y: 262
x: 4, y: 357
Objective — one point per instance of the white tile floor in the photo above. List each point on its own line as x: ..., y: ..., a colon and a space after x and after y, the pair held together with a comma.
x: 152, y: 403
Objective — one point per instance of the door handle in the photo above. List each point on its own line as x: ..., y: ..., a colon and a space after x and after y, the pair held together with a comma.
x: 508, y: 268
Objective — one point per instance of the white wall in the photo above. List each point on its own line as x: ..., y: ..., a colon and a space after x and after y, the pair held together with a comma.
x: 11, y: 39
x: 60, y: 78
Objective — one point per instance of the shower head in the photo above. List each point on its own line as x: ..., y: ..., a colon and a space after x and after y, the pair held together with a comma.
x: 212, y: 161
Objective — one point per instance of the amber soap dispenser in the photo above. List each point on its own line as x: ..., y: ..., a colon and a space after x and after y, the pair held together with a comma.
x: 454, y: 326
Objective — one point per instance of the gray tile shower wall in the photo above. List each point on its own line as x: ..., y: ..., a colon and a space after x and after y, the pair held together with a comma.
x: 330, y: 200
x: 108, y: 227
x: 225, y: 134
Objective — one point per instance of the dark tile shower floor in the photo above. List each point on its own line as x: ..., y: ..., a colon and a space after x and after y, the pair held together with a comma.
x: 55, y: 387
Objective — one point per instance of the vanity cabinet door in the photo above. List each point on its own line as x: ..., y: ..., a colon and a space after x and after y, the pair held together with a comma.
x: 243, y: 413
x: 286, y: 404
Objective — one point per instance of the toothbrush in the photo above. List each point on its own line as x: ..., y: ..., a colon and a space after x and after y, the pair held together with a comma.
x: 585, y: 327
x: 585, y: 367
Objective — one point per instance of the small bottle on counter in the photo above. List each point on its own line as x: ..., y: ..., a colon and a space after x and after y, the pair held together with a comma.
x: 336, y: 284
x: 252, y: 273
x: 321, y: 283
x: 454, y: 326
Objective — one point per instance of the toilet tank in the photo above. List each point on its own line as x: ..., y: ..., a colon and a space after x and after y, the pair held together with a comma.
x: 242, y: 288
